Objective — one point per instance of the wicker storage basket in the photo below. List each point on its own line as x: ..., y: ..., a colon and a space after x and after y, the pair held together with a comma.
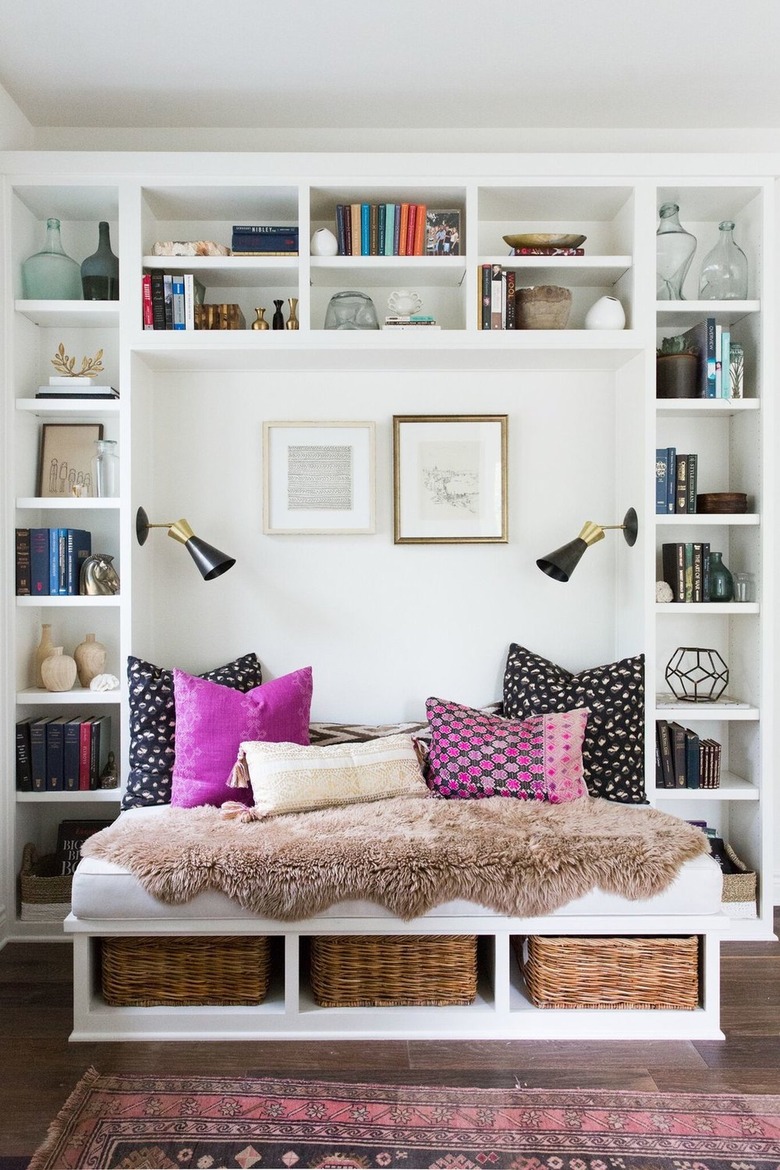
x: 385, y: 970
x: 611, y: 972
x: 172, y: 970
x: 45, y: 891
x: 739, y: 889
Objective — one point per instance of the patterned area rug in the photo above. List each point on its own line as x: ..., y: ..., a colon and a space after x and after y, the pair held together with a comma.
x: 174, y: 1123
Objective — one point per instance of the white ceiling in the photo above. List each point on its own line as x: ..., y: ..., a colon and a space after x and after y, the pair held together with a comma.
x: 404, y: 63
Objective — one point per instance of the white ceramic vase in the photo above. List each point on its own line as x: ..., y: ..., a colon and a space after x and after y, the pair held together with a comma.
x: 324, y: 243
x: 607, y: 313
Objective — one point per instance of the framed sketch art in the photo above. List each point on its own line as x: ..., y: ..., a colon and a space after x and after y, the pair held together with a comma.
x: 450, y: 479
x: 319, y: 477
x: 65, y: 462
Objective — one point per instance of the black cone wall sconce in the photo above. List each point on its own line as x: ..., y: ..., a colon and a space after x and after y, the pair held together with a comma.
x: 210, y: 561
x: 561, y: 564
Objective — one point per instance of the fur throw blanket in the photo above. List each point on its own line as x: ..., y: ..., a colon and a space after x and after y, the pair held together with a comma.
x: 407, y: 854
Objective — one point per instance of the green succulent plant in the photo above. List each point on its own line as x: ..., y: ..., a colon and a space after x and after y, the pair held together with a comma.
x: 678, y: 344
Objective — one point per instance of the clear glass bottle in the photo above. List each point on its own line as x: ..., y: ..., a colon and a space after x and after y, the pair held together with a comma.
x: 724, y: 272
x: 721, y: 581
x: 674, y: 248
x: 100, y: 271
x: 105, y: 469
x: 51, y: 275
x: 744, y: 587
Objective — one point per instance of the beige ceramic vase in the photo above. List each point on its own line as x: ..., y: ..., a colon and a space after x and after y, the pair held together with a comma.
x: 58, y: 671
x: 42, y: 650
x: 90, y: 659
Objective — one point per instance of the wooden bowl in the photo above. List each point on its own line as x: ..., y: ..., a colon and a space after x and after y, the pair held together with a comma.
x: 545, y: 306
x: 729, y: 503
x: 544, y: 240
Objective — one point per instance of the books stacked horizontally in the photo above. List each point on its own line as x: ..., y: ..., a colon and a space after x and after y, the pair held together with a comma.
x: 49, y: 560
x: 61, y: 754
x: 169, y: 299
x: 75, y: 388
x: 264, y: 240
x: 721, y: 360
x: 685, y: 568
x: 497, y: 287
x: 384, y: 229
x: 676, y: 481
x: 683, y: 759
x: 412, y: 321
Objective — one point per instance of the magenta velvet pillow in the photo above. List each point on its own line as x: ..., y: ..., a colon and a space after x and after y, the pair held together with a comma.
x: 212, y: 720
x: 473, y: 755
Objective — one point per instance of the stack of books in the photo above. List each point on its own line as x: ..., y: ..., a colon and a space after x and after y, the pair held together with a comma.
x: 683, y: 759
x: 169, y: 299
x: 412, y: 321
x: 264, y: 240
x: 497, y: 286
x: 381, y: 229
x: 685, y: 568
x: 61, y: 754
x: 75, y: 388
x: 721, y: 360
x: 676, y: 481
x: 546, y: 250
x: 49, y: 560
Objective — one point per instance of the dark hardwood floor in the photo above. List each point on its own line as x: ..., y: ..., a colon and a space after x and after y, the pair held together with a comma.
x: 38, y: 1067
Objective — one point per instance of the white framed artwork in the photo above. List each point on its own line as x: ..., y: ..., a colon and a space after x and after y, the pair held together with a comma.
x: 318, y: 477
x: 450, y: 479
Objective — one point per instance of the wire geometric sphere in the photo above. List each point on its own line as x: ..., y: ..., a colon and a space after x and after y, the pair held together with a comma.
x: 696, y: 675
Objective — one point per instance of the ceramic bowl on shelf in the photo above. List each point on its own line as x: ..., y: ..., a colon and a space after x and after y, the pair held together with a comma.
x: 544, y: 240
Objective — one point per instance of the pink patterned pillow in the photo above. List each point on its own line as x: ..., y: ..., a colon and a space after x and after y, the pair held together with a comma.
x: 473, y: 755
x: 212, y: 720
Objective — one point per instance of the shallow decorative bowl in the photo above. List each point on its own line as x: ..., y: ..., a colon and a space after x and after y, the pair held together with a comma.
x: 545, y: 306
x: 725, y: 502
x: 544, y: 240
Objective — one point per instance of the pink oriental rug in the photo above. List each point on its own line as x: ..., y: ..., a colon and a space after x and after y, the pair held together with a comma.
x: 206, y: 1123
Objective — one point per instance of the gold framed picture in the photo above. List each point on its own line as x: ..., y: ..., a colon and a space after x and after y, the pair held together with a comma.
x: 65, y: 462
x: 450, y: 479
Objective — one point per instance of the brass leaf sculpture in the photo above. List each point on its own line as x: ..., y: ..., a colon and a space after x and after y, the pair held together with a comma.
x: 66, y: 366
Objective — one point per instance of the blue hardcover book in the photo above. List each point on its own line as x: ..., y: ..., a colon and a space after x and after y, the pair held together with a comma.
x: 365, y: 229
x: 39, y: 562
x: 177, y: 300
x: 661, y: 482
x: 712, y: 358
x: 671, y: 480
x: 70, y: 755
x: 381, y: 229
x: 389, y: 228
x: 78, y: 548
x: 54, y: 561
x: 55, y: 742
x: 261, y: 229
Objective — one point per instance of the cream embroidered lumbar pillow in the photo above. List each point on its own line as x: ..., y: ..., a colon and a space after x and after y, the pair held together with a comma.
x: 286, y: 777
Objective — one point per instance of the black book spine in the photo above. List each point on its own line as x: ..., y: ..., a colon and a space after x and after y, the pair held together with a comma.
x: 23, y: 759
x: 158, y: 301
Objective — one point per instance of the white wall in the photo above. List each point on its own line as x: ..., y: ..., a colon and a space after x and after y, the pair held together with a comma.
x: 16, y: 133
x: 383, y: 625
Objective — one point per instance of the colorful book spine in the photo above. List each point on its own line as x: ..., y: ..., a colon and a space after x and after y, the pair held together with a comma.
x: 725, y: 362
x: 177, y: 291
x: 147, y: 315
x: 737, y: 370
x: 389, y: 229
x: 661, y: 480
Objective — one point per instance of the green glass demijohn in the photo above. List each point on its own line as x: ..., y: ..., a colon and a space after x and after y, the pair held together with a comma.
x: 721, y: 581
x: 100, y: 271
x: 51, y: 275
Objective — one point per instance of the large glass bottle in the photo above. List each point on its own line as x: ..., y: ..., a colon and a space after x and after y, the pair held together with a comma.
x: 724, y: 272
x: 100, y: 271
x: 105, y: 469
x: 674, y: 248
x: 51, y: 275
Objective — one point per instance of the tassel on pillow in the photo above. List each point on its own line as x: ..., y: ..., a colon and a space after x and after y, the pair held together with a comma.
x: 239, y: 776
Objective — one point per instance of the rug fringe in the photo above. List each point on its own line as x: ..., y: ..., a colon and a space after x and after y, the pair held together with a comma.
x: 40, y: 1159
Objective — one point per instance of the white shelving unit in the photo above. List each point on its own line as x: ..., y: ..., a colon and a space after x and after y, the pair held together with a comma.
x: 180, y: 197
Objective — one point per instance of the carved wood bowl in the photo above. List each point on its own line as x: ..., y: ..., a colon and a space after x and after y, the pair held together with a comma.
x: 545, y: 306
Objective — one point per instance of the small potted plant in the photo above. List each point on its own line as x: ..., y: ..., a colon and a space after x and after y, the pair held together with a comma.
x: 676, y: 368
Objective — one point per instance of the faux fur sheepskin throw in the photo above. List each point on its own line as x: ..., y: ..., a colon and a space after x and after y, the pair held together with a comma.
x: 408, y: 854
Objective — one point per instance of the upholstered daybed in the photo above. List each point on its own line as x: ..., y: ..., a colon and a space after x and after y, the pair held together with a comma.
x: 358, y: 840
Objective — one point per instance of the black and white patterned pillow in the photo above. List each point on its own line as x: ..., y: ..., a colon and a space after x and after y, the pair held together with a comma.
x: 613, y: 753
x: 153, y: 723
x: 325, y: 734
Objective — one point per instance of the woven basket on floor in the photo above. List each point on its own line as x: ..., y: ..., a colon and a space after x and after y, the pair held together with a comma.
x: 385, y: 970
x: 45, y: 891
x: 611, y: 972
x: 160, y: 969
